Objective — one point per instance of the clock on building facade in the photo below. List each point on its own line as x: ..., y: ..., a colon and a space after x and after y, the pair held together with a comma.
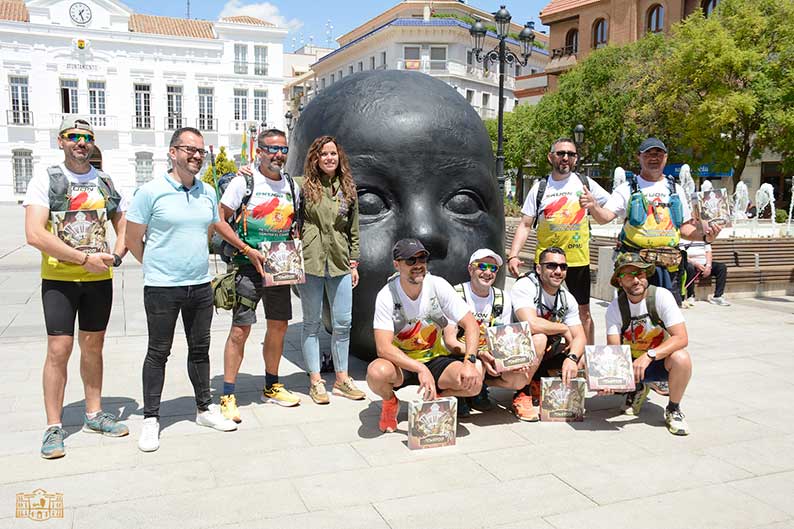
x: 80, y: 13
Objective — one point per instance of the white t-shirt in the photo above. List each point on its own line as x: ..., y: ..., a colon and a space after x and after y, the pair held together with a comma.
x: 524, y: 292
x: 569, y: 188
x: 38, y: 193
x: 696, y: 251
x: 642, y: 334
x: 654, y: 191
x: 482, y: 307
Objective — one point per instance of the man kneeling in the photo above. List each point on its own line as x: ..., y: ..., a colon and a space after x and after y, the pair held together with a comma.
x: 649, y: 320
x: 411, y: 312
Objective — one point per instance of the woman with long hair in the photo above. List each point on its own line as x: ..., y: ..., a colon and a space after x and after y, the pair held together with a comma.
x: 331, y: 252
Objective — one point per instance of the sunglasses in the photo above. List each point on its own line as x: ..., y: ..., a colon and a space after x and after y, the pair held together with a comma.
x: 633, y: 273
x: 563, y: 154
x: 553, y: 266
x: 191, y: 151
x: 487, y: 267
x: 273, y: 149
x: 413, y: 260
x: 77, y: 136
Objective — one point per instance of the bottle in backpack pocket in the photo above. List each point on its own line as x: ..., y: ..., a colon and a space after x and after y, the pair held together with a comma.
x: 638, y: 209
x: 676, y: 210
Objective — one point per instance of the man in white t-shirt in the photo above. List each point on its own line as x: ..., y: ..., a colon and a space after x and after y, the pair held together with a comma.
x: 490, y: 306
x: 557, y: 332
x: 648, y: 319
x: 66, y: 211
x: 700, y: 265
x: 411, y: 312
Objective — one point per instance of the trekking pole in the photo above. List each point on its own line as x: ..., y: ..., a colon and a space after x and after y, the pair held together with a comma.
x: 214, y: 174
x: 693, y: 279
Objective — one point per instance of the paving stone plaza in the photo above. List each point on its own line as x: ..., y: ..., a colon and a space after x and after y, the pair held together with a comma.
x: 329, y: 467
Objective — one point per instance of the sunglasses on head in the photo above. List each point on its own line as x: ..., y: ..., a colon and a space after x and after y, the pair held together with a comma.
x: 633, y: 273
x: 421, y: 259
x: 273, y: 149
x: 553, y: 266
x: 563, y: 154
x: 77, y: 136
x: 487, y: 267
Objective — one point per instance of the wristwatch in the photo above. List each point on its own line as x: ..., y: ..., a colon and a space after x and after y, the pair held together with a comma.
x: 472, y: 358
x: 651, y: 354
x: 573, y: 357
x: 116, y: 260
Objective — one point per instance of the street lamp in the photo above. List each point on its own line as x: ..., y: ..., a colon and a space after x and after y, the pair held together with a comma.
x: 503, y: 56
x: 291, y: 119
x: 578, y: 139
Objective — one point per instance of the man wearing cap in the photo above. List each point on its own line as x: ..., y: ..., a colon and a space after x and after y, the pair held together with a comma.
x: 66, y: 209
x: 648, y: 319
x: 552, y: 312
x: 657, y: 214
x: 553, y: 206
x: 490, y: 306
x: 411, y: 312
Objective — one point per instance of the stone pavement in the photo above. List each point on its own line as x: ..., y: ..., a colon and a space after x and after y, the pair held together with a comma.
x: 328, y: 467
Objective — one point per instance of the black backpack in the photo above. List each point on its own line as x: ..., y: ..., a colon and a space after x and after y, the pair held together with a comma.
x: 218, y: 246
x: 542, y: 191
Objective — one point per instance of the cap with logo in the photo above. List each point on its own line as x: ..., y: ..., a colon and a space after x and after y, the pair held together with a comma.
x: 652, y: 143
x: 406, y: 248
x: 630, y: 259
x: 482, y: 253
x: 75, y: 122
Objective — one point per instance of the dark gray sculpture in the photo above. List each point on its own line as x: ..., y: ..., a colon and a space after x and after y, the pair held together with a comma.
x: 424, y: 168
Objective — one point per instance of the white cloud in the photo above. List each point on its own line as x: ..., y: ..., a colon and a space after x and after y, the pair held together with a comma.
x: 264, y: 10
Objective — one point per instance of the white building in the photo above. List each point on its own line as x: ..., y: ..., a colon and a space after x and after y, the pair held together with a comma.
x: 431, y: 37
x: 136, y: 77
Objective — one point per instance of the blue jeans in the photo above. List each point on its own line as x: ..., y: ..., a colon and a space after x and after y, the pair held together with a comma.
x: 340, y: 294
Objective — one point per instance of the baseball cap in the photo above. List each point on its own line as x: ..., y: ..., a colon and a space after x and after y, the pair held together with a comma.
x: 482, y: 253
x: 652, y: 143
x: 76, y: 122
x: 405, y: 248
x: 632, y: 259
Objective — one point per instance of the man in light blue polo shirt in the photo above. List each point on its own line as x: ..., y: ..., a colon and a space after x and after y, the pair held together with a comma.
x: 175, y: 213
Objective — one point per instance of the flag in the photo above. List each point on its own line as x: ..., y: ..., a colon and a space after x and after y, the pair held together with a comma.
x: 244, y: 149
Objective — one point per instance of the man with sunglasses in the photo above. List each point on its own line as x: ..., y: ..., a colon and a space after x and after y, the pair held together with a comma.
x: 648, y: 319
x: 553, y: 207
x: 553, y: 315
x: 411, y: 313
x: 269, y: 215
x: 169, y: 224
x: 75, y: 279
x: 490, y: 306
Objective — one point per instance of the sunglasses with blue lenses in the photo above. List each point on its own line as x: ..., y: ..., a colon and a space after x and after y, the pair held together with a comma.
x: 487, y: 267
x: 273, y: 149
x: 77, y: 136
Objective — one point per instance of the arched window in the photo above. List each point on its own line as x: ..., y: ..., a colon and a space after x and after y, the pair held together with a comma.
x: 600, y: 32
x: 22, y: 160
x: 708, y: 6
x: 572, y: 41
x: 655, y: 19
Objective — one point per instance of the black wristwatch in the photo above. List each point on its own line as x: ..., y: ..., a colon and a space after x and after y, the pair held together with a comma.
x: 472, y: 358
x: 116, y: 260
x: 571, y: 356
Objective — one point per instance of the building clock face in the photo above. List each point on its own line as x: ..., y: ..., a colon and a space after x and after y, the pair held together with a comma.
x: 80, y: 13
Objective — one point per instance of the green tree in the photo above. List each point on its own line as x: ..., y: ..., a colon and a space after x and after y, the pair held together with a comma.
x: 223, y: 165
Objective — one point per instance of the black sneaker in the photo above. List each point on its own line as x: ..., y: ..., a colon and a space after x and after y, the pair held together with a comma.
x: 464, y: 410
x: 482, y: 402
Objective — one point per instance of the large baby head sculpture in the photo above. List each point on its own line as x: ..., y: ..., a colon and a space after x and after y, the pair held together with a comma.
x: 423, y: 165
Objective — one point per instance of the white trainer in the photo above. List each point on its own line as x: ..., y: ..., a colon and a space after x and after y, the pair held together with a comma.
x: 149, y: 441
x: 721, y: 301
x: 213, y: 418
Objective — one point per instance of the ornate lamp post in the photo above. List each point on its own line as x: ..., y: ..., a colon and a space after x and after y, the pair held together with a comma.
x: 503, y: 56
x: 291, y: 119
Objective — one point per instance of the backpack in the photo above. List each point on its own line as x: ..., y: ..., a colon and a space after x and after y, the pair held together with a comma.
x: 60, y: 191
x: 217, y: 245
x: 638, y: 205
x: 560, y: 299
x: 542, y: 191
x: 625, y: 311
x: 224, y: 292
x: 398, y: 315
x: 496, y: 308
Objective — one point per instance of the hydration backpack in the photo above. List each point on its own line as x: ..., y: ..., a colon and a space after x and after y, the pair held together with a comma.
x: 398, y: 315
x: 60, y: 191
x: 557, y: 314
x: 637, y: 212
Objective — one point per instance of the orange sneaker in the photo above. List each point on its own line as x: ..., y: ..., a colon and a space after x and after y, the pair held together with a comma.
x: 388, y: 415
x: 523, y: 408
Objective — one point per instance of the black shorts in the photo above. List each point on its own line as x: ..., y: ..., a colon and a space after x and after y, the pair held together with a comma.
x: 578, y: 282
x: 64, y: 300
x: 436, y: 366
x: 276, y: 300
x: 656, y: 372
x: 553, y: 357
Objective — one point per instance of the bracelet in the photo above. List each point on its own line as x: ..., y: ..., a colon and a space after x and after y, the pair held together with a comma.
x: 85, y: 259
x: 245, y: 249
x: 512, y: 257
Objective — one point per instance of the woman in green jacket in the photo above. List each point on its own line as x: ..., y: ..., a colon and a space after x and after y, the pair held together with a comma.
x: 330, y: 250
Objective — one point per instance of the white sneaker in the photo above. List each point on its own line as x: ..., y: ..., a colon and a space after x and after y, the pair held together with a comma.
x: 149, y: 441
x: 213, y: 418
x: 676, y: 424
x: 690, y: 302
x: 721, y: 301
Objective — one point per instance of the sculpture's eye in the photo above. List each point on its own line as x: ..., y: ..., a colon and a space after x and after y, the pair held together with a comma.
x: 465, y: 202
x: 371, y: 203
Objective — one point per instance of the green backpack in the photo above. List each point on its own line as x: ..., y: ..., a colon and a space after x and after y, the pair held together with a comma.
x: 225, y: 294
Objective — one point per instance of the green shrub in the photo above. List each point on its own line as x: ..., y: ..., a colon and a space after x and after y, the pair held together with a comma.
x: 781, y: 216
x: 512, y: 208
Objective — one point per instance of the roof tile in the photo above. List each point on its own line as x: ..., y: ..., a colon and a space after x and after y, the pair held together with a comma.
x: 244, y: 19
x: 559, y: 6
x: 14, y: 10
x: 177, y: 27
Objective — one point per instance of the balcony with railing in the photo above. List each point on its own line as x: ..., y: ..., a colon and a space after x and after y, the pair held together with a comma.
x: 142, y: 122
x: 174, y: 122
x: 457, y: 68
x: 562, y: 59
x: 19, y: 118
x: 98, y: 121
x: 206, y: 124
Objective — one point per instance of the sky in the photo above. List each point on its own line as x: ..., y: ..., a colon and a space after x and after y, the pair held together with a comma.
x: 310, y: 18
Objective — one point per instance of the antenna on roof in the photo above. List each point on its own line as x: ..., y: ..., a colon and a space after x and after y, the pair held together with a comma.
x: 329, y: 33
x: 188, y: 8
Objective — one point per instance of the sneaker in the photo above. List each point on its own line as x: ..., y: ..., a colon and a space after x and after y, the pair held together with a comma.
x: 106, y: 424
x: 481, y: 402
x: 634, y: 401
x: 464, y: 409
x: 662, y: 387
x: 318, y: 393
x: 213, y: 418
x: 388, y: 415
x: 689, y: 302
x: 149, y: 441
x: 229, y: 408
x: 278, y: 394
x: 524, y: 409
x: 534, y: 391
x: 52, y: 444
x: 721, y: 301
x: 348, y: 389
x: 676, y: 424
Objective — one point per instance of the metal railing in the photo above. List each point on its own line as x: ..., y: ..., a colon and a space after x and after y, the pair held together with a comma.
x: 565, y: 51
x: 206, y: 123
x: 98, y: 121
x: 143, y: 122
x: 21, y: 118
x: 174, y: 122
